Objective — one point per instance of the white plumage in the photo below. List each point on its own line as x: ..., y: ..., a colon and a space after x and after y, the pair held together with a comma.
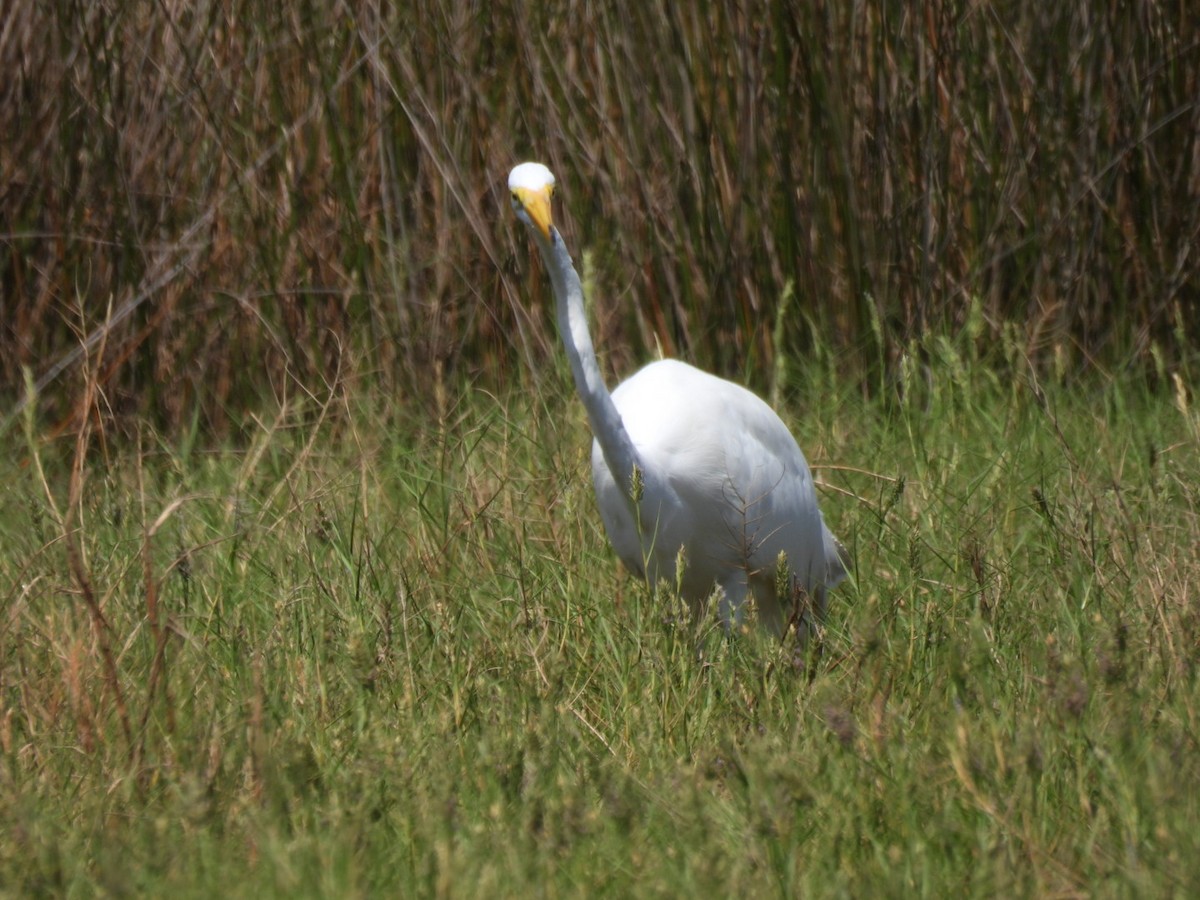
x: 683, y: 459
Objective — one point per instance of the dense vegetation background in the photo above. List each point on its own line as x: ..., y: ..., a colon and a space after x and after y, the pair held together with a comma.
x: 207, y: 183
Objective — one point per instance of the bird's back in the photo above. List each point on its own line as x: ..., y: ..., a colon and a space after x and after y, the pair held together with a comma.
x: 729, y: 483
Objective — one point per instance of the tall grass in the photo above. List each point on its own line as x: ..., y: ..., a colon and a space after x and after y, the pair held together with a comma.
x: 208, y: 182
x: 379, y: 652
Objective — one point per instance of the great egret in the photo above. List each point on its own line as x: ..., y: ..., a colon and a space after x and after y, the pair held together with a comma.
x: 698, y: 481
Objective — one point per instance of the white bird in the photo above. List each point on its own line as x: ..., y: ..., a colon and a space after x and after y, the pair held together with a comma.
x: 698, y: 481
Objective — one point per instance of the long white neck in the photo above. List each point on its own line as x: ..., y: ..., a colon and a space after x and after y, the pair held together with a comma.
x: 607, y: 426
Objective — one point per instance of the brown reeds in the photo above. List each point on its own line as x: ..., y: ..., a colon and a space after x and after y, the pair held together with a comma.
x: 253, y: 182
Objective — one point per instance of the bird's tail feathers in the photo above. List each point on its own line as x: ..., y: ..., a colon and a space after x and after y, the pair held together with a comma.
x: 837, y: 560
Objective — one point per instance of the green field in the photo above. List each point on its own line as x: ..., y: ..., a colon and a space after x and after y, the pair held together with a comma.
x: 373, y: 653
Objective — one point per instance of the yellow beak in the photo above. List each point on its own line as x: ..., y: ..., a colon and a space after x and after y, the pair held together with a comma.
x: 537, y: 206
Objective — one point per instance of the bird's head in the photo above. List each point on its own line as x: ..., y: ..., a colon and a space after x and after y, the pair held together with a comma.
x: 532, y: 185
